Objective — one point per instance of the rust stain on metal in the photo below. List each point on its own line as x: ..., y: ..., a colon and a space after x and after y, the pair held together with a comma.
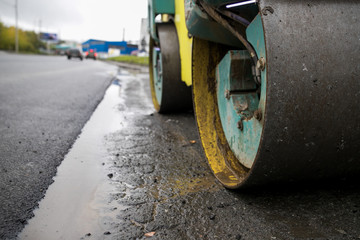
x: 258, y: 114
x: 240, y: 125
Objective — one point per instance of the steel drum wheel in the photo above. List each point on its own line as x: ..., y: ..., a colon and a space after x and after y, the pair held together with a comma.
x: 222, y: 161
x: 169, y: 93
x: 309, y: 97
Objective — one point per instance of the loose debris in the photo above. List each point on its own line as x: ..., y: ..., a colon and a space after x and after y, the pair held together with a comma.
x: 149, y: 234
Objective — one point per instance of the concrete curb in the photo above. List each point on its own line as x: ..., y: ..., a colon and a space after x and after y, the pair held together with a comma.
x: 130, y: 66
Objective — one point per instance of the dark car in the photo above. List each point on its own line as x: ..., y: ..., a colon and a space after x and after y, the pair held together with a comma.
x: 74, y: 53
x: 91, y: 54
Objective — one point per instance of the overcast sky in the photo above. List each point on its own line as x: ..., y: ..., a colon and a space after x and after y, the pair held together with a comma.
x: 78, y: 19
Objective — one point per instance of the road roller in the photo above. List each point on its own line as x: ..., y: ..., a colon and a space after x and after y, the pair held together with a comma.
x: 275, y: 85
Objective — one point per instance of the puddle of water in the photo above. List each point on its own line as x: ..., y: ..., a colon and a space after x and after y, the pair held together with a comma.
x: 78, y: 202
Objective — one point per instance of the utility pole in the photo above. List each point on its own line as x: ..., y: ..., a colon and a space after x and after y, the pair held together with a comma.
x: 16, y: 28
x: 123, y: 34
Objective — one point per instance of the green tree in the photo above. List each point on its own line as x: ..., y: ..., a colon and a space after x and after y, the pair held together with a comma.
x: 28, y: 40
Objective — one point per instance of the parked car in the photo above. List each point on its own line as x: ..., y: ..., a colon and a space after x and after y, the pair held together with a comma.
x: 91, y: 54
x: 74, y: 52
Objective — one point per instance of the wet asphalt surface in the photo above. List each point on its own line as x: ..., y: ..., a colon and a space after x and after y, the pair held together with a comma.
x: 161, y: 186
x: 44, y: 103
x: 164, y: 186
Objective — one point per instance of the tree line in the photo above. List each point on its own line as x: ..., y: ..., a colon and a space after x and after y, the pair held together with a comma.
x: 28, y: 40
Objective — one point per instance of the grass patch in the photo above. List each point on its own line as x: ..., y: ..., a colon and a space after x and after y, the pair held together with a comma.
x: 131, y: 59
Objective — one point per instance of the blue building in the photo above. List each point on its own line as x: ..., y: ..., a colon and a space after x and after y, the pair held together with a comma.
x: 105, y: 49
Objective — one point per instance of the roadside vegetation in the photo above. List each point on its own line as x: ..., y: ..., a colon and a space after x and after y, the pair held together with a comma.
x: 131, y: 59
x: 28, y: 40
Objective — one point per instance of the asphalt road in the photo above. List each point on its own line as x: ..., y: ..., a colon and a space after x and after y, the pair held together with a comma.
x: 164, y: 187
x: 44, y: 103
x: 154, y: 181
x: 133, y: 174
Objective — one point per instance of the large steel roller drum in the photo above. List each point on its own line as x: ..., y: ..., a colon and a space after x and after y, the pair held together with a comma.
x: 307, y: 123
